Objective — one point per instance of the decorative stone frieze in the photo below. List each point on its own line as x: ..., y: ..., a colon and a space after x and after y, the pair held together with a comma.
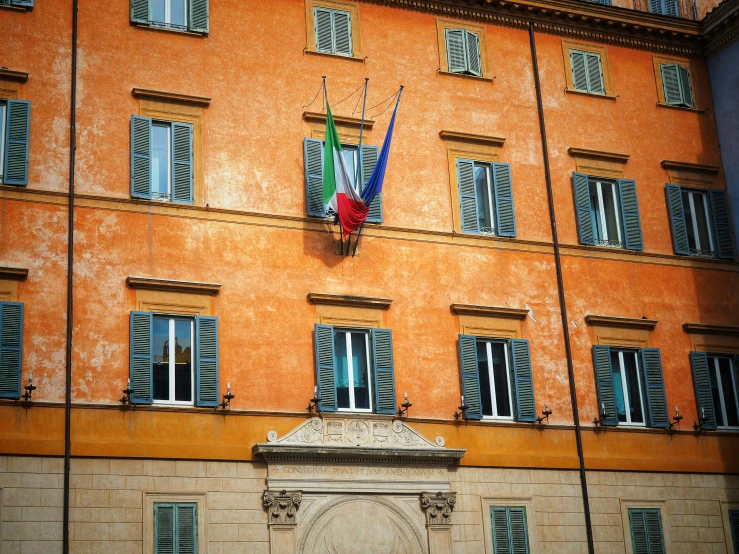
x: 282, y: 506
x: 438, y: 507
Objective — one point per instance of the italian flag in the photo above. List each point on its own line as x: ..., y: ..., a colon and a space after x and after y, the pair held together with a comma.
x: 338, y: 192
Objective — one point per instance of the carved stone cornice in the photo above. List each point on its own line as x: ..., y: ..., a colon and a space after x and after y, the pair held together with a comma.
x: 168, y: 285
x: 319, y: 117
x: 13, y: 273
x: 469, y: 137
x: 489, y: 311
x: 438, y: 507
x: 201, y: 101
x: 347, y: 300
x: 12, y: 75
x: 282, y: 506
x: 598, y: 155
x: 720, y: 26
x: 699, y: 168
x: 705, y: 329
x: 623, y: 322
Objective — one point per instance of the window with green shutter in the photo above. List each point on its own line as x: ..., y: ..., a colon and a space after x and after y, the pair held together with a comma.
x: 463, y: 52
x: 646, y: 531
x: 676, y: 85
x: 734, y: 524
x: 11, y: 349
x: 716, y: 382
x: 178, y: 15
x: 175, y: 528
x: 587, y: 71
x: 510, y: 531
x: 19, y: 3
x: 333, y: 30
x: 486, y: 198
x: 15, y: 125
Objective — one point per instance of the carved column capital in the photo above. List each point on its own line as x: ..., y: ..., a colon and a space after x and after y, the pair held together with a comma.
x: 438, y: 507
x: 282, y: 506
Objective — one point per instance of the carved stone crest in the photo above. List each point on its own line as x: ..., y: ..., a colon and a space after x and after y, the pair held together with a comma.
x: 357, y: 431
x: 282, y: 506
x: 438, y: 507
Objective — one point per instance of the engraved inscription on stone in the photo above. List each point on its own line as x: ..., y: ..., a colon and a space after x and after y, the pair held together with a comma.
x: 343, y: 472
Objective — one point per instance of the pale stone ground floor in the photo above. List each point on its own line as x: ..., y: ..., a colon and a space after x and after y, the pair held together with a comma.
x: 342, y: 511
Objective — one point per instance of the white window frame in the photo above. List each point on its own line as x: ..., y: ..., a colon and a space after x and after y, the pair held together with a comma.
x: 491, y: 380
x: 350, y: 369
x: 168, y: 13
x: 694, y: 223
x: 171, y: 401
x: 627, y: 401
x: 601, y: 206
x: 162, y: 196
x: 3, y: 117
x: 732, y: 371
x: 491, y: 197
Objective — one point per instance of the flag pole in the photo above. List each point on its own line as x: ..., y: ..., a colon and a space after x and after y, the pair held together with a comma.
x: 325, y: 107
x: 361, y: 128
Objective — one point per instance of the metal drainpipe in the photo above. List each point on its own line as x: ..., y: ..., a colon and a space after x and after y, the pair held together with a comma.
x: 70, y: 274
x: 561, y: 292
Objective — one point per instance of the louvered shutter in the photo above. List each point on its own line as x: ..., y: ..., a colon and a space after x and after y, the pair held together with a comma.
x: 630, y: 214
x: 23, y: 3
x: 702, y: 384
x: 164, y: 529
x: 519, y: 535
x: 140, y: 157
x: 141, y: 358
x: 522, y: 375
x: 638, y: 531
x: 369, y: 157
x: 604, y: 384
x: 206, y: 368
x: 199, y: 21
x: 671, y: 8
x: 470, y: 376
x: 510, y: 535
x: 140, y: 11
x: 313, y: 162
x: 325, y: 371
x: 734, y: 524
x: 655, y: 387
x: 655, y: 6
x: 322, y: 22
x: 504, y: 213
x: 467, y: 199
x: 501, y: 535
x: 474, y: 64
x: 595, y: 73
x: 686, y: 86
x: 342, y: 27
x: 455, y: 51
x: 721, y: 224
x: 671, y: 84
x: 579, y: 70
x: 182, y: 163
x: 654, y: 532
x: 384, y: 368
x: 11, y: 349
x: 677, y: 220
x: 583, y: 208
x: 187, y: 529
x: 17, y: 130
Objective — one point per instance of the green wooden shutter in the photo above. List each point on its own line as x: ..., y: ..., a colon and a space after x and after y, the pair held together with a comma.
x: 182, y: 163
x: 655, y: 6
x: 206, y: 364
x: 519, y: 534
x: 313, y: 163
x: 187, y: 528
x: 686, y: 86
x: 140, y: 157
x: 671, y: 8
x: 595, y: 73
x: 164, y: 529
x: 342, y: 27
x: 322, y: 23
x: 11, y: 349
x: 638, y: 531
x: 522, y: 375
x: 17, y: 130
x: 721, y: 224
x: 579, y: 70
x: 677, y: 220
x: 140, y: 11
x: 654, y: 531
x: 22, y: 3
x: 646, y: 531
x: 470, y: 376
x: 474, y: 64
x: 510, y: 534
x: 141, y: 358
x: 501, y: 534
x: 655, y: 386
x: 384, y: 370
x: 671, y: 84
x: 325, y: 371
x: 604, y: 384
x: 467, y: 198
x: 583, y: 208
x: 369, y: 155
x: 630, y: 214
x: 504, y: 212
x: 702, y: 385
x: 734, y: 524
x: 456, y: 58
x: 199, y: 20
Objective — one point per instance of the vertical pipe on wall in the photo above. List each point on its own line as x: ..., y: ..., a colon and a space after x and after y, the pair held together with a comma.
x: 561, y: 293
x: 70, y: 259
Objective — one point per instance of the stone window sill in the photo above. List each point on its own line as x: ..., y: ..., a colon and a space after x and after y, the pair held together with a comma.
x: 592, y: 94
x: 330, y: 55
x: 465, y: 76
x: 143, y: 27
x: 683, y: 108
x: 13, y: 8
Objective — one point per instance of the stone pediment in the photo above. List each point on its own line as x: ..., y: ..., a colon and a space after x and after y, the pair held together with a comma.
x: 356, y: 439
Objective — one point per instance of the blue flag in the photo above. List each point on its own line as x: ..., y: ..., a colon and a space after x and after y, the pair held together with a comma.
x: 374, y: 185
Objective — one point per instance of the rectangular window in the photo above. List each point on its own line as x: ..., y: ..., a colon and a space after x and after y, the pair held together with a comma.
x: 587, y: 72
x: 463, y: 52
x: 172, y: 360
x: 352, y: 370
x: 724, y: 379
x: 628, y: 389
x: 697, y: 217
x: 172, y: 13
x: 161, y: 156
x: 3, y: 110
x: 495, y: 379
x: 175, y: 528
x: 333, y: 31
x: 734, y: 524
x: 605, y: 208
x: 646, y: 531
x: 179, y: 15
x: 510, y: 533
x: 676, y: 85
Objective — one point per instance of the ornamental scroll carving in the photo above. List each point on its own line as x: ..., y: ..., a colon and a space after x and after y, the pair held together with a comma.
x: 282, y: 506
x: 438, y: 507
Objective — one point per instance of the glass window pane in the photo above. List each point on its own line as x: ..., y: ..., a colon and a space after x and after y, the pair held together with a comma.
x: 618, y: 388
x: 157, y: 10
x: 361, y: 371
x: 342, y: 370
x: 482, y: 191
x: 595, y: 213
x: 610, y: 206
x: 500, y: 373
x: 727, y: 386
x: 350, y: 155
x: 160, y: 359
x: 177, y: 12
x: 632, y: 388
x: 183, y: 360
x: 160, y: 159
x: 688, y: 220
x: 700, y: 216
x: 715, y: 394
x: 486, y: 398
